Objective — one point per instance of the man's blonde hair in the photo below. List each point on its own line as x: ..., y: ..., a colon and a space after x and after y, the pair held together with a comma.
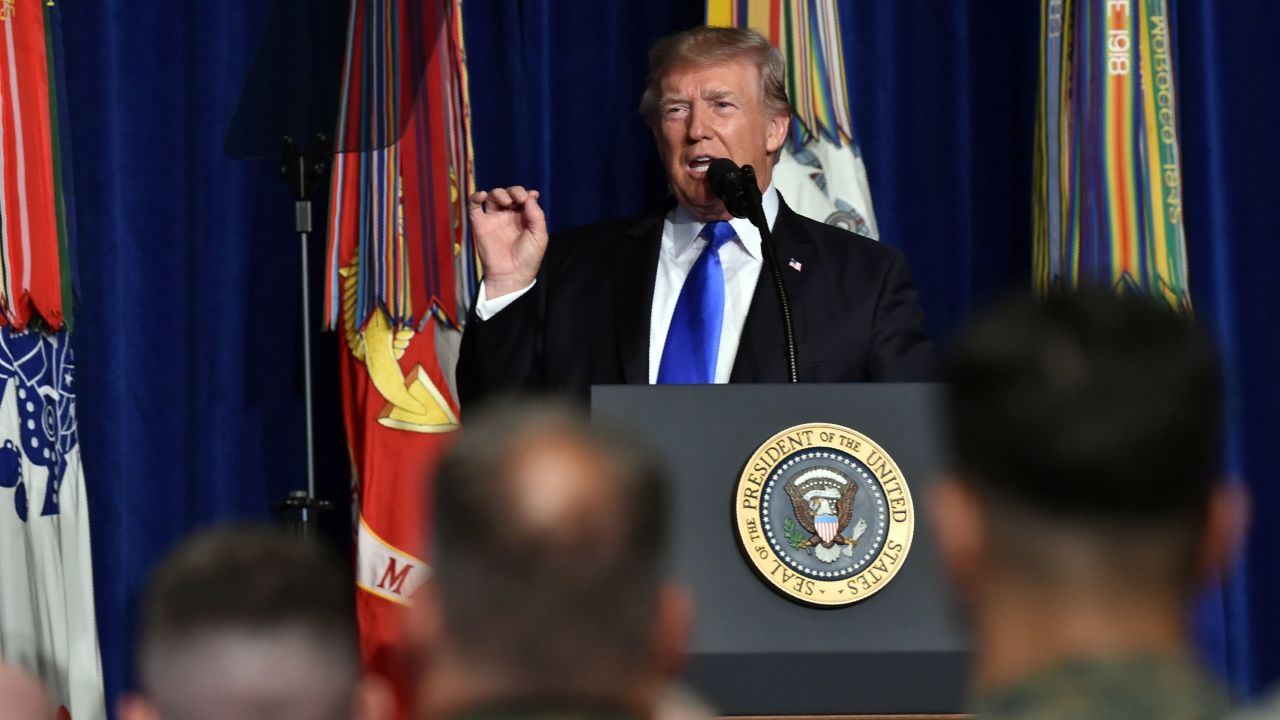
x: 703, y: 46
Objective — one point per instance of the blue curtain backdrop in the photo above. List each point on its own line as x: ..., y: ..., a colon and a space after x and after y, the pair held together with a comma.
x: 1230, y: 102
x: 188, y: 341
x: 190, y: 399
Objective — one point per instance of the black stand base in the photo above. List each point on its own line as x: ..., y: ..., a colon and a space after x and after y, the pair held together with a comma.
x: 301, y: 513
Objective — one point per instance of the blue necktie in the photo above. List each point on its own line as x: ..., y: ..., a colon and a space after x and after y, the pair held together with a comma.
x: 693, y: 340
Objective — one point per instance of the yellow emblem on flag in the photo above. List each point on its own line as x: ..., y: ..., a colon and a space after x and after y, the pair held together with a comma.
x: 414, y: 403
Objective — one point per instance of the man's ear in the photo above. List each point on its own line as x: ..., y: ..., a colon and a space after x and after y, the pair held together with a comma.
x: 673, y: 623
x: 955, y: 513
x: 1225, y: 525
x: 778, y: 125
x: 135, y: 706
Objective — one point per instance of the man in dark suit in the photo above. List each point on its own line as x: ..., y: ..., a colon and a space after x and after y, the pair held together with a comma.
x: 684, y: 297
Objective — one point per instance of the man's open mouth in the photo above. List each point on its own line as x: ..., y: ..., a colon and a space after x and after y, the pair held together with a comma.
x: 699, y: 164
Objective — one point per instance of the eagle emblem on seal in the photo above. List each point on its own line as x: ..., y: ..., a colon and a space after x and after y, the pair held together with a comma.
x: 822, y: 499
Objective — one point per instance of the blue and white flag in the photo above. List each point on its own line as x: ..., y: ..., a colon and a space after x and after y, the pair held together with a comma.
x: 820, y: 170
x: 47, y: 621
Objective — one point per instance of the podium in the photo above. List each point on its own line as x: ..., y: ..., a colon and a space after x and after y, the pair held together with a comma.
x: 754, y: 651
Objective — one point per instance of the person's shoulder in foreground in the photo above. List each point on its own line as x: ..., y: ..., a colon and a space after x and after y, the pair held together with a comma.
x: 1152, y: 686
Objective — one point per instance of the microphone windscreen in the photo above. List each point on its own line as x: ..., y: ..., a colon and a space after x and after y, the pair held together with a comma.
x: 724, y: 177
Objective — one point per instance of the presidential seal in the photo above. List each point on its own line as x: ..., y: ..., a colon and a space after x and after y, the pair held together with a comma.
x: 824, y: 514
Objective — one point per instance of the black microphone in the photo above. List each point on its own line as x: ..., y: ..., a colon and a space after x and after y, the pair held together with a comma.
x: 738, y: 190
x: 734, y: 186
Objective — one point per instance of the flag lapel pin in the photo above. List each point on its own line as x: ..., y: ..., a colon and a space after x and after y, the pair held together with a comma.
x: 795, y: 265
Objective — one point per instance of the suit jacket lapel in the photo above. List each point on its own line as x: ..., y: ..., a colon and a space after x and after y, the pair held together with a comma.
x: 761, y: 354
x: 634, y: 271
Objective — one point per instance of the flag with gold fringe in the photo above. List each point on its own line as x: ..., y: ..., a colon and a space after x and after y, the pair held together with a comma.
x: 47, y: 617
x: 400, y: 271
x: 1108, y: 182
x: 820, y: 171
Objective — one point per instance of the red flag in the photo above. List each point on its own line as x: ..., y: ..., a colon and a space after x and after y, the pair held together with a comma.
x: 29, y: 254
x: 399, y: 420
x: 397, y: 233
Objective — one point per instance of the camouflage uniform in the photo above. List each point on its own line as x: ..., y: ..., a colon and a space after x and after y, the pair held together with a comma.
x: 544, y: 709
x: 1135, y: 688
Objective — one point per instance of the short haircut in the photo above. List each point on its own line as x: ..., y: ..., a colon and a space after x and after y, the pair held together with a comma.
x: 246, y: 580
x: 549, y: 611
x: 704, y: 46
x: 1088, y: 407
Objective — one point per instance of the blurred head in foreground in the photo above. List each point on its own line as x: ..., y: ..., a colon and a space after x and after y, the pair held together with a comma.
x: 22, y: 696
x: 1085, y: 506
x: 548, y: 588
x: 250, y: 623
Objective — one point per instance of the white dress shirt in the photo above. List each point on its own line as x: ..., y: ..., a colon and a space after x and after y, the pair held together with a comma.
x: 740, y: 258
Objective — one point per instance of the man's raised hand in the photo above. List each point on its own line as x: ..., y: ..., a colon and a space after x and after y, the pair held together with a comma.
x: 510, y: 232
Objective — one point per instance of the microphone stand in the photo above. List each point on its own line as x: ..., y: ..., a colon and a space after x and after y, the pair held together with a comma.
x: 755, y: 214
x: 303, y: 171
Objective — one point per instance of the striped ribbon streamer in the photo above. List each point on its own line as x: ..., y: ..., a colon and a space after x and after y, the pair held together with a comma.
x: 398, y: 219
x: 1107, y: 191
x: 36, y: 233
x: 63, y: 188
x: 808, y: 34
x: 462, y: 171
